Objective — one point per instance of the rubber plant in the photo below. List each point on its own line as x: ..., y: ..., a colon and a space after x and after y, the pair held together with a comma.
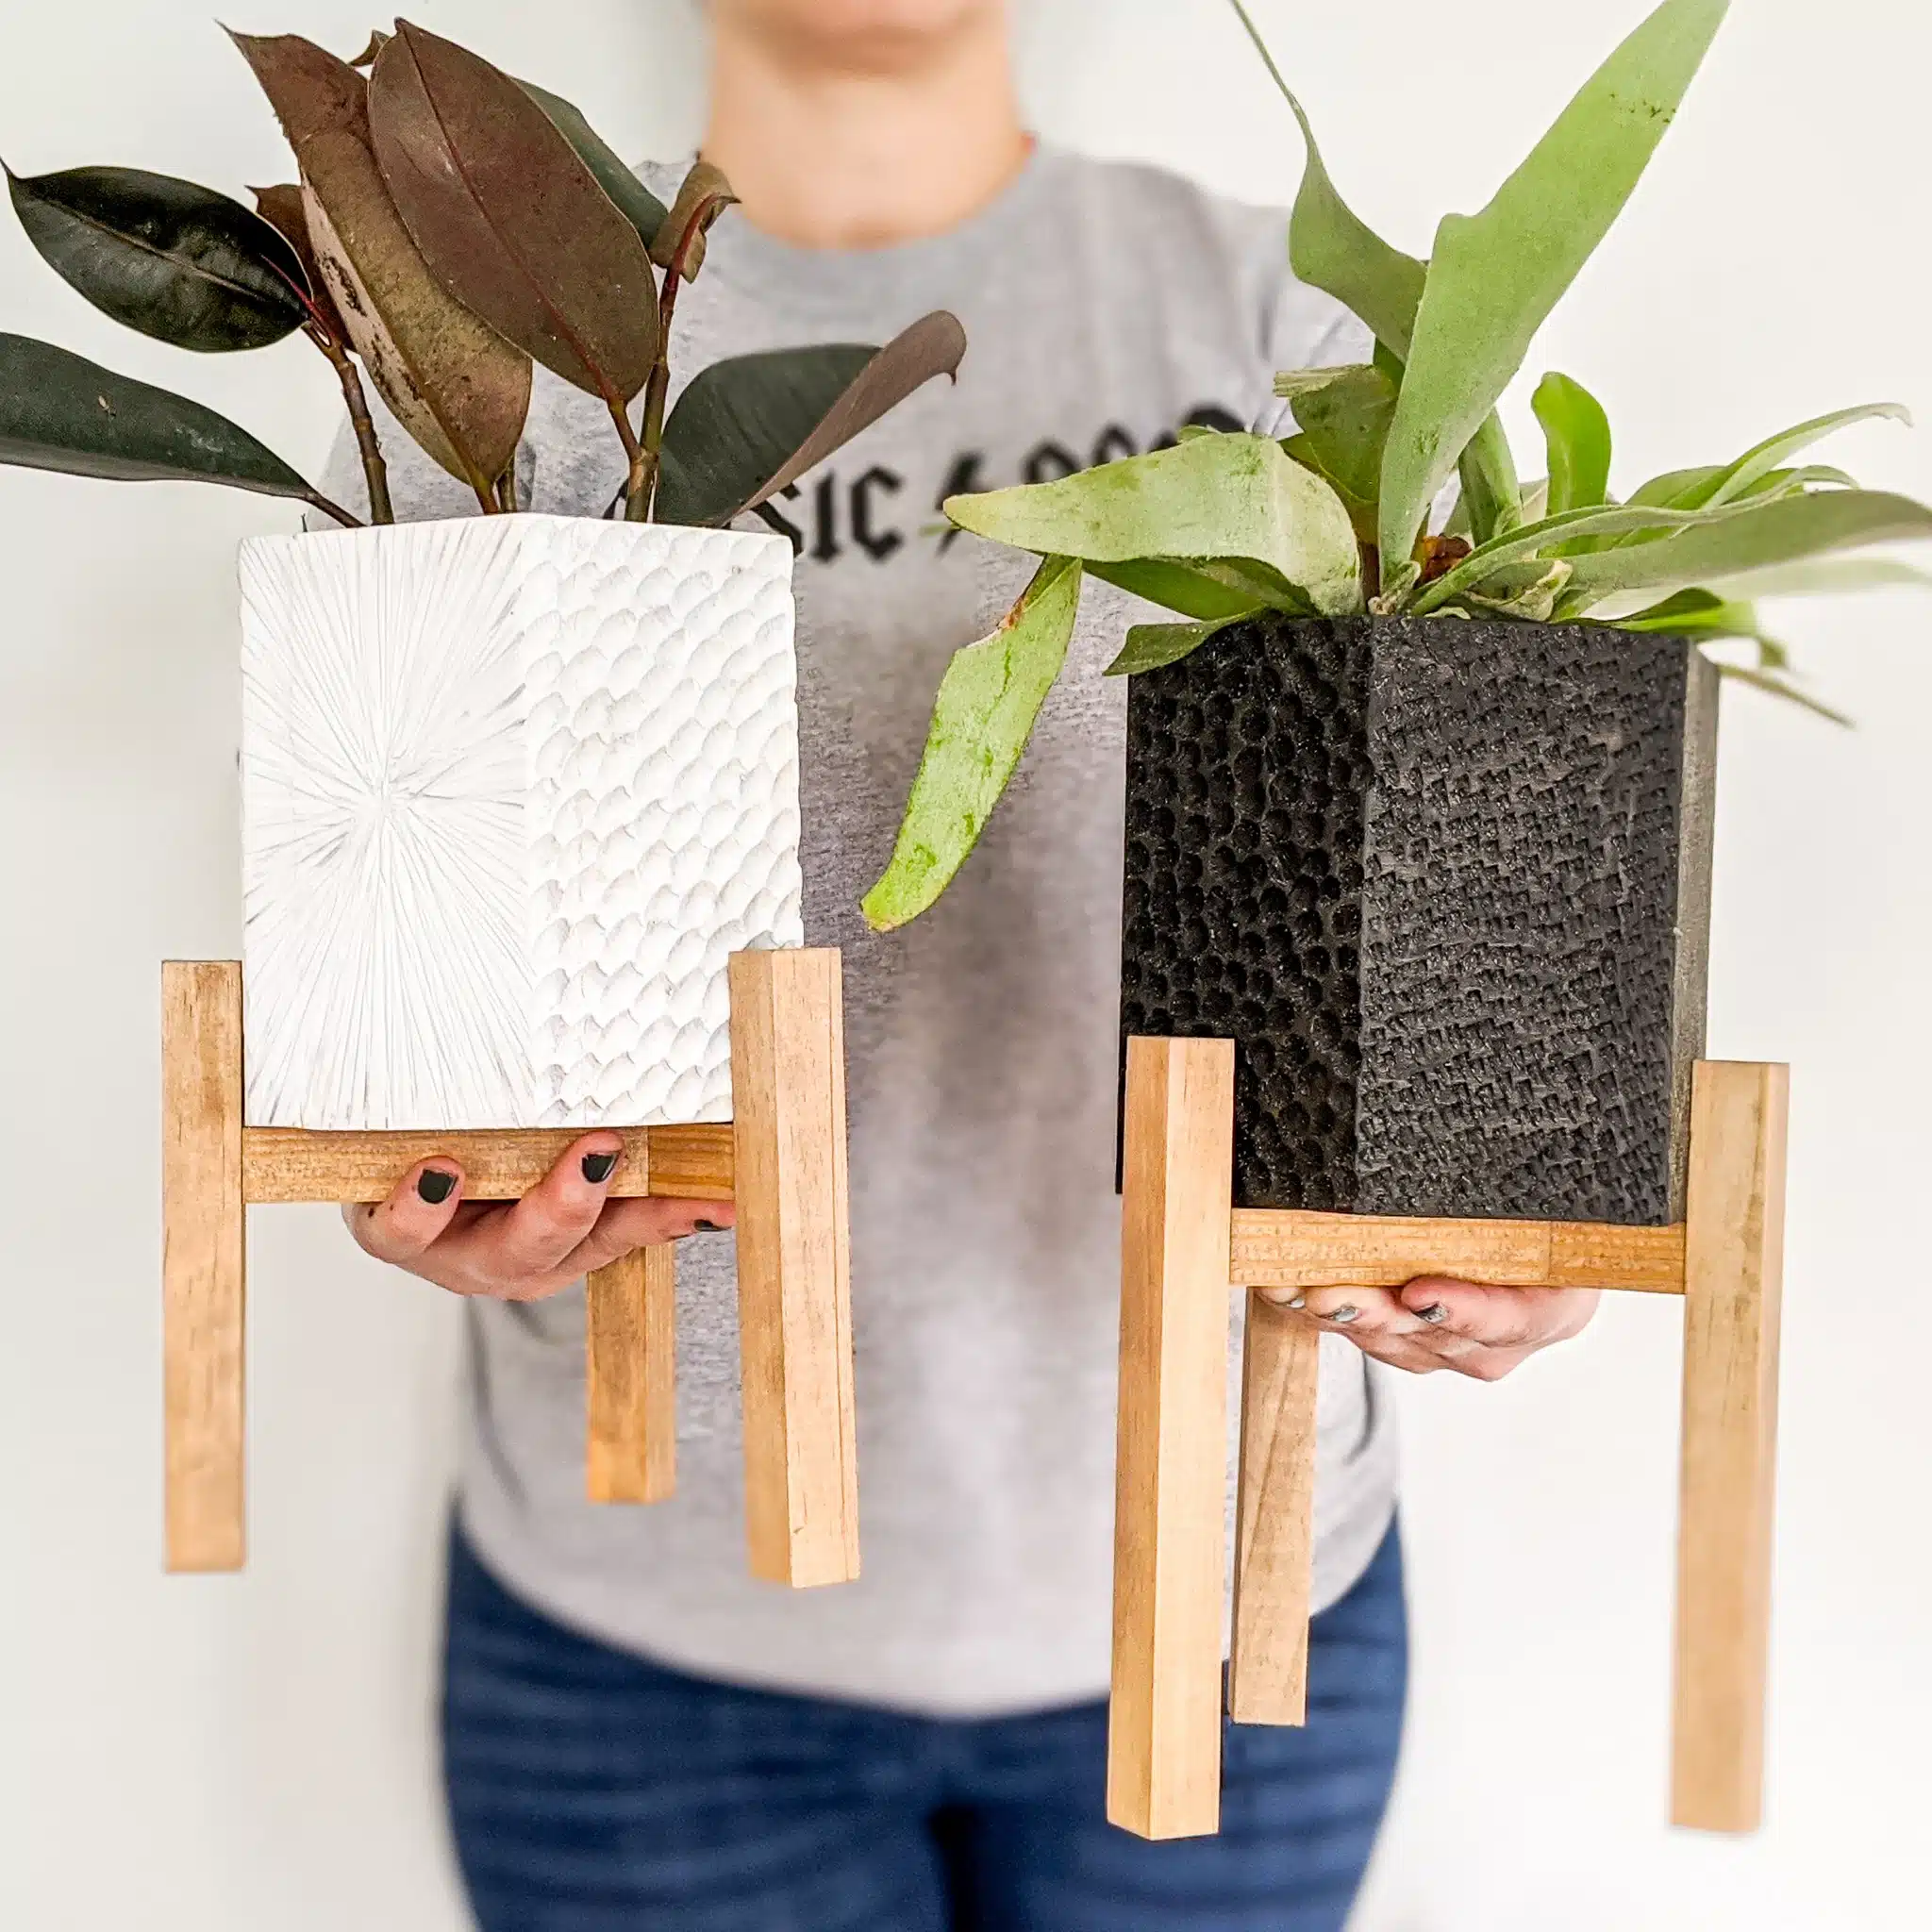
x: 450, y: 227
x: 1335, y: 520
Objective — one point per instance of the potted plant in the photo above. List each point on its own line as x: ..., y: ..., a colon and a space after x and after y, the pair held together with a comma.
x: 1419, y: 811
x: 514, y: 786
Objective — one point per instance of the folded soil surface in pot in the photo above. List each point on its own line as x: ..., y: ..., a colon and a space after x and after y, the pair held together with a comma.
x: 1446, y: 885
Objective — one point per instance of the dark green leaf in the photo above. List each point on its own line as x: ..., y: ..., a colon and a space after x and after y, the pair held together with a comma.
x: 635, y: 202
x: 451, y: 380
x: 988, y: 701
x: 59, y: 411
x: 1494, y: 276
x: 747, y: 427
x: 1577, y: 434
x: 512, y: 222
x: 1150, y: 646
x: 180, y: 263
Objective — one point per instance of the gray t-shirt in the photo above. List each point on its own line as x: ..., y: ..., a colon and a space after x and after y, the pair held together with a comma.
x: 1105, y: 305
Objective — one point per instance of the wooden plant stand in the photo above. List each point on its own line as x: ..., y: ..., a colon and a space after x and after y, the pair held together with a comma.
x: 1184, y: 1247
x: 781, y: 1159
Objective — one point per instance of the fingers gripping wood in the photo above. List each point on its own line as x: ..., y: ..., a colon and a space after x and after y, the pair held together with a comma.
x: 631, y: 1388
x: 1275, y: 1552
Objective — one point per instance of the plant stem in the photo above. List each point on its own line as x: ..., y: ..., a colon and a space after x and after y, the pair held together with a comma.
x: 634, y: 488
x: 659, y: 387
x: 506, y: 489
x: 341, y: 516
x: 374, y: 471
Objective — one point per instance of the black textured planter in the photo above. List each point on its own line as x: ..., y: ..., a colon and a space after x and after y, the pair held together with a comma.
x: 1446, y: 885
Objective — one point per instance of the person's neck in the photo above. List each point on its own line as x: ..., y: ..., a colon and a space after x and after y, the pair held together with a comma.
x: 845, y: 160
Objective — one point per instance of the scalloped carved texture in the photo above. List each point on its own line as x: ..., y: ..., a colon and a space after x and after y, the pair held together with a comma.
x: 514, y: 789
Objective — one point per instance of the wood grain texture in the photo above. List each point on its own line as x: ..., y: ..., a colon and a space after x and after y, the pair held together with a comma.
x: 630, y: 1389
x: 787, y: 1081
x: 1275, y: 1537
x: 204, y: 1264
x: 1733, y: 1286
x: 290, y: 1164
x: 1287, y: 1248
x: 1163, y: 1774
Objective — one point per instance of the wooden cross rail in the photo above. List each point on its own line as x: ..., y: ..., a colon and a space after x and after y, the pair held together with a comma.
x: 1184, y: 1246
x: 781, y: 1159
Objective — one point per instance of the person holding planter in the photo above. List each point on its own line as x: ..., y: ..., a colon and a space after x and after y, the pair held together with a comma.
x: 632, y: 1728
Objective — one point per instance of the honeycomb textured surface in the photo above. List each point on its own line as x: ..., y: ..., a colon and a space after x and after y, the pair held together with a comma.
x: 1520, y: 915
x: 1428, y: 877
x: 1247, y: 781
x: 514, y: 789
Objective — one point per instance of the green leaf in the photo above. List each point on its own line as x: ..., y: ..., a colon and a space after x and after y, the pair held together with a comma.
x: 1344, y: 422
x: 1331, y: 248
x: 1577, y: 434
x: 1769, y: 456
x: 1490, y: 489
x: 1527, y: 590
x: 177, y: 262
x: 635, y: 202
x: 1150, y: 646
x: 450, y: 380
x: 1781, y: 687
x: 1748, y: 537
x: 747, y: 427
x: 1235, y: 499
x: 1548, y: 538
x: 988, y: 701
x: 59, y: 411
x: 512, y: 222
x: 1208, y: 592
x: 1835, y: 577
x: 1494, y: 276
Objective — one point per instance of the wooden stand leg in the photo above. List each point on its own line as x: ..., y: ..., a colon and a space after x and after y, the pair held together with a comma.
x: 1163, y: 1771
x: 1274, y: 1546
x: 203, y: 1263
x: 1734, y: 1262
x: 788, y: 1084
x: 630, y: 1383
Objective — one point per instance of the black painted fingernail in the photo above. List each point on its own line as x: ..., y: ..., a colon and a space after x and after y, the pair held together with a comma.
x: 1432, y: 1314
x: 598, y: 1168
x: 706, y: 1227
x: 436, y: 1186
x: 1346, y: 1313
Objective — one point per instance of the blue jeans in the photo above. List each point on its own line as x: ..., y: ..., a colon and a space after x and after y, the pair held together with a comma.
x: 593, y: 1793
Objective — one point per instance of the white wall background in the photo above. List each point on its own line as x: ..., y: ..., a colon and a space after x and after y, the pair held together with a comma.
x: 233, y: 1754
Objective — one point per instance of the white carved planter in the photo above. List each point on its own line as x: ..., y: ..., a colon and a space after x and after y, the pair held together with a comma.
x: 514, y: 789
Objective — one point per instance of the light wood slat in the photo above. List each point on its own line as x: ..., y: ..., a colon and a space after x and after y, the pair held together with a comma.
x: 204, y: 1265
x: 290, y: 1164
x: 1734, y: 1279
x: 1171, y: 1470
x: 1287, y: 1248
x: 787, y: 1081
x: 1275, y: 1544
x: 630, y: 1392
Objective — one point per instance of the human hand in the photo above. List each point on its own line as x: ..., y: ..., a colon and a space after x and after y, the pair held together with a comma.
x: 1439, y: 1324
x: 522, y: 1251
